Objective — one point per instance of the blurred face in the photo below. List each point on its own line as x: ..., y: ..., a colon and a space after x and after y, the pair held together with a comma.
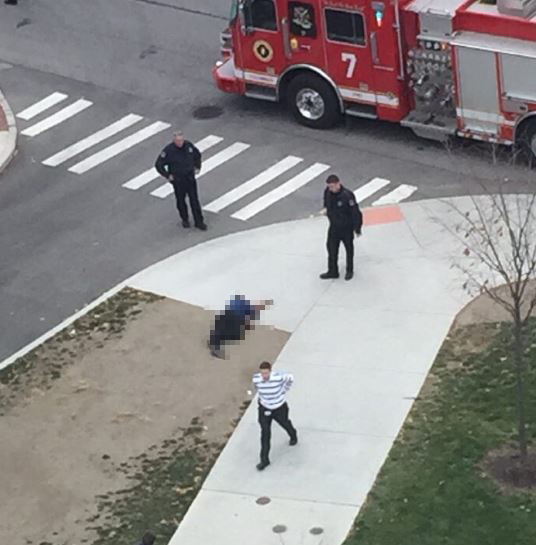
x: 265, y: 374
x: 334, y: 187
x: 179, y: 140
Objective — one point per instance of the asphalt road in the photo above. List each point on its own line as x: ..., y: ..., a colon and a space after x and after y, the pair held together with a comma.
x: 66, y: 237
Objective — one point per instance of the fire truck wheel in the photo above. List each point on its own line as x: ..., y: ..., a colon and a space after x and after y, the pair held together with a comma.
x: 313, y: 102
x: 527, y: 139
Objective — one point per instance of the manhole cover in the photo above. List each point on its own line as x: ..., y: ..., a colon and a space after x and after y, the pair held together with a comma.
x: 207, y: 112
x: 279, y: 529
x: 263, y: 500
x: 316, y: 531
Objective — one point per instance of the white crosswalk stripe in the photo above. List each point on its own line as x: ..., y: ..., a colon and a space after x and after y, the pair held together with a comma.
x: 151, y: 174
x: 210, y: 164
x: 365, y: 191
x: 92, y: 140
x: 142, y: 179
x: 251, y: 185
x: 41, y: 106
x: 401, y: 193
x: 207, y: 142
x: 115, y: 149
x: 281, y: 191
x: 57, y: 118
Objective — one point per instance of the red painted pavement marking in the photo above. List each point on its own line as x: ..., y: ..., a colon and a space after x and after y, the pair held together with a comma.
x: 382, y: 214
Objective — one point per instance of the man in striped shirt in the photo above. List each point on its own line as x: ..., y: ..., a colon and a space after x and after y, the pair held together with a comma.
x: 272, y: 388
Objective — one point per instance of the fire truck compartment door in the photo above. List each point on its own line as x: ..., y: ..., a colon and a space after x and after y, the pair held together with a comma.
x: 305, y: 37
x: 261, y: 54
x: 348, y: 53
x: 478, y: 100
x: 519, y: 77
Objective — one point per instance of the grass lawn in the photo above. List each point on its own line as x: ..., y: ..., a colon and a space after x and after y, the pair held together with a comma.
x: 432, y: 489
x: 164, y: 482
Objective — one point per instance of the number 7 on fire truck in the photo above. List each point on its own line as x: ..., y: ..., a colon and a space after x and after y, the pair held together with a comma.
x: 440, y: 67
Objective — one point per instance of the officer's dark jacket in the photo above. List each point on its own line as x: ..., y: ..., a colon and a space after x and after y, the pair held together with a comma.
x: 343, y: 210
x: 178, y: 161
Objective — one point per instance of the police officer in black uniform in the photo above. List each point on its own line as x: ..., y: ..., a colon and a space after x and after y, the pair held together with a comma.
x: 178, y: 163
x: 345, y: 219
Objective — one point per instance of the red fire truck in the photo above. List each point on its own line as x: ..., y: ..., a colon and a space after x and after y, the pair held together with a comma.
x: 440, y: 67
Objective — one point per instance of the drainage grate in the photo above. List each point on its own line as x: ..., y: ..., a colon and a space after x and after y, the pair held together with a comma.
x: 207, y: 112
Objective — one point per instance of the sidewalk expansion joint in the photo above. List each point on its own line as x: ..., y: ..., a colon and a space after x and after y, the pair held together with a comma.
x: 352, y: 434
x: 282, y: 498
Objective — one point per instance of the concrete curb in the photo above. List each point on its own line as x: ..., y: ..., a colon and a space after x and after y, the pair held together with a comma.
x: 8, y: 138
x: 62, y: 325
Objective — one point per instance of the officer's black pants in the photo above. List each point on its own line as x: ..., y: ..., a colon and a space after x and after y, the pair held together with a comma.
x: 227, y: 327
x: 187, y: 186
x: 335, y: 237
x: 280, y: 415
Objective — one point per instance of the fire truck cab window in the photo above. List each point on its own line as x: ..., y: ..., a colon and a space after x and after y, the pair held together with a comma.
x: 234, y: 11
x: 345, y: 26
x: 302, y: 19
x: 261, y: 14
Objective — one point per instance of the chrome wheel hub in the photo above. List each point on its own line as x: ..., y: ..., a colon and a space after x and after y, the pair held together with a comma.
x: 310, y: 104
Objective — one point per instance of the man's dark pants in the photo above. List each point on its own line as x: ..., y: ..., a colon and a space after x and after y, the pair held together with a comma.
x: 280, y: 415
x: 336, y: 235
x: 228, y: 326
x: 187, y: 186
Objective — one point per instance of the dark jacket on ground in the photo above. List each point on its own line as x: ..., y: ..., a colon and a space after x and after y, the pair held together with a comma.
x: 179, y: 162
x: 342, y: 210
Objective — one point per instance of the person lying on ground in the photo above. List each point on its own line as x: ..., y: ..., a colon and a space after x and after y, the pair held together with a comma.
x: 231, y: 324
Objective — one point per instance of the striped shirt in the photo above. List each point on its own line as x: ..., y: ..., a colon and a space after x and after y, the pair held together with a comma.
x: 272, y: 392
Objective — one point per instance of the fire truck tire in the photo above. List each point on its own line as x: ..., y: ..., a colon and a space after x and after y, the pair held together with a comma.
x: 313, y: 102
x: 527, y: 138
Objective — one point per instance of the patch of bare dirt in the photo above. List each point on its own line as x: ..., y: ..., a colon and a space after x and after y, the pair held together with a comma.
x: 504, y: 466
x: 476, y: 324
x: 483, y: 309
x: 113, y: 398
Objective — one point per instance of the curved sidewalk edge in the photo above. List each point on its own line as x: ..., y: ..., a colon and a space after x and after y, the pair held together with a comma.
x: 357, y: 349
x: 8, y: 133
x: 61, y: 326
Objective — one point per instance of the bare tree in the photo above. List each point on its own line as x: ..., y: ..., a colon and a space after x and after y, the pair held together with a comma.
x: 498, y: 258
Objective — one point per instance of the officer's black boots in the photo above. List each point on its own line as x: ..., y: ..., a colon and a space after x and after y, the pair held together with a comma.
x: 262, y: 465
x: 11, y: 2
x: 329, y: 275
x: 201, y: 226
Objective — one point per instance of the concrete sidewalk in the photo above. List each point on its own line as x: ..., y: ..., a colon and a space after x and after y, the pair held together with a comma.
x: 359, y: 350
x: 8, y: 133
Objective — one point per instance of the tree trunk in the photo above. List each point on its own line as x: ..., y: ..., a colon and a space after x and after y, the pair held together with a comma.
x: 520, y: 389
